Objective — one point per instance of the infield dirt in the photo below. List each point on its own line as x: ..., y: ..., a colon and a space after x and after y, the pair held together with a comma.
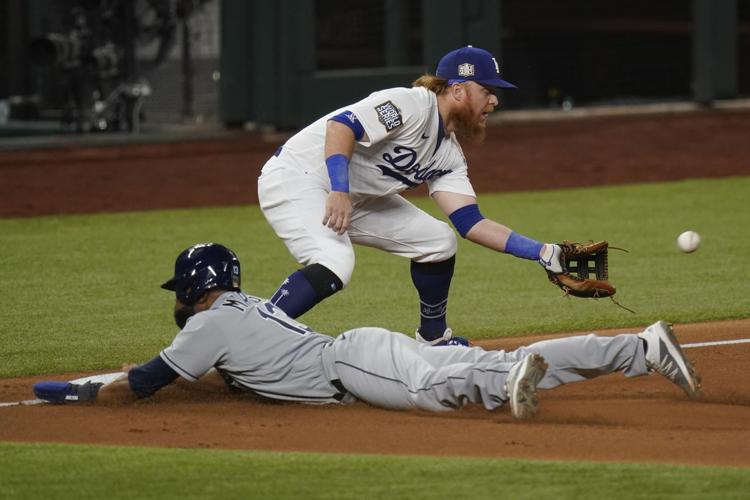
x: 645, y: 419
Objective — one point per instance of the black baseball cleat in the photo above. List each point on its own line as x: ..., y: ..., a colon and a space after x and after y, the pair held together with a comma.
x: 65, y: 392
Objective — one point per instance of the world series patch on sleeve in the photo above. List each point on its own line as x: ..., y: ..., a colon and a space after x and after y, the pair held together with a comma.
x: 389, y: 115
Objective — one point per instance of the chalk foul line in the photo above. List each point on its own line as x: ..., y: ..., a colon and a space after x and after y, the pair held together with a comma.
x: 27, y: 402
x: 717, y: 342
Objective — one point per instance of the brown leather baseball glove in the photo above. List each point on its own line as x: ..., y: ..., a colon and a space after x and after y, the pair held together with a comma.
x: 579, y: 269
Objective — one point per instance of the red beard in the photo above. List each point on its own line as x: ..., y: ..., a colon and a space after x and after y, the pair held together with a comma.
x: 468, y: 128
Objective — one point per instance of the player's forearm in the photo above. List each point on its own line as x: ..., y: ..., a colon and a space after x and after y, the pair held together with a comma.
x: 149, y: 377
x: 144, y: 383
x: 498, y: 237
x: 490, y: 234
x: 464, y: 213
x: 339, y: 147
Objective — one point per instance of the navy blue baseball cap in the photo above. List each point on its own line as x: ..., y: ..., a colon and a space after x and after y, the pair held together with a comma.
x: 471, y: 64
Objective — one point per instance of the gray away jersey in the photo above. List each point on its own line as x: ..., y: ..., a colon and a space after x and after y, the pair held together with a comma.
x: 256, y: 345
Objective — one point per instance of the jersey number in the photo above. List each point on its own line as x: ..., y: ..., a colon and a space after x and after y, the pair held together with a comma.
x: 294, y: 326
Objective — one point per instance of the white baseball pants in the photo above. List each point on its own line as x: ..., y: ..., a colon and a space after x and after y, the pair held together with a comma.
x: 293, y: 202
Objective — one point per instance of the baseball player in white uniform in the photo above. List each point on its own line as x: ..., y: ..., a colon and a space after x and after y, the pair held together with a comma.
x: 337, y: 182
x: 256, y: 347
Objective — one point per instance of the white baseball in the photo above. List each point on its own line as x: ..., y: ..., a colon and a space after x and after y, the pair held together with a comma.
x: 688, y: 241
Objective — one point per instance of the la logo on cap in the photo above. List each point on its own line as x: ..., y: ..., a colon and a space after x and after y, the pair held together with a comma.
x: 497, y: 68
x: 466, y: 69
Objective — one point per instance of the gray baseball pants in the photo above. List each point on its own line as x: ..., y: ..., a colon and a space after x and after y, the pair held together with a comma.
x: 394, y: 371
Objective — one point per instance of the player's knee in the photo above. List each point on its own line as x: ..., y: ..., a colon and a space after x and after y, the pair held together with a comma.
x: 341, y: 266
x: 451, y: 242
x: 324, y: 281
x: 444, y: 246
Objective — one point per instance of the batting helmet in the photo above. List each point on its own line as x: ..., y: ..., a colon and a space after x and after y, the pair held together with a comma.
x: 203, y: 267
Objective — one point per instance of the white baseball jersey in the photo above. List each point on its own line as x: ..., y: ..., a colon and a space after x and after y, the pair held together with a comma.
x: 404, y: 147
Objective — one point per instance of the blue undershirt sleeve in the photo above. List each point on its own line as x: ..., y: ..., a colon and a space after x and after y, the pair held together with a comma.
x: 151, y: 376
x: 523, y: 247
x: 338, y: 172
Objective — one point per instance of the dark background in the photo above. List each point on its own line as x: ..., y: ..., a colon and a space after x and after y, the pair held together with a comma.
x: 261, y: 61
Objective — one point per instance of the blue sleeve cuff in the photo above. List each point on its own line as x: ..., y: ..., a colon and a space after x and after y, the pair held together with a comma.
x: 465, y: 218
x: 149, y: 377
x: 523, y: 247
x: 350, y: 120
x: 338, y: 172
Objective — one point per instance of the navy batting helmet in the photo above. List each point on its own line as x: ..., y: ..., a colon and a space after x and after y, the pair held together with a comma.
x: 202, y: 267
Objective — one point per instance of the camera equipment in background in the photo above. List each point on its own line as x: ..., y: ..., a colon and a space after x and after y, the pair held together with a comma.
x: 99, y: 83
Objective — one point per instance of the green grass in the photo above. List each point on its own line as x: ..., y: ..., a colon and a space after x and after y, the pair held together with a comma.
x: 66, y: 471
x: 82, y: 292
